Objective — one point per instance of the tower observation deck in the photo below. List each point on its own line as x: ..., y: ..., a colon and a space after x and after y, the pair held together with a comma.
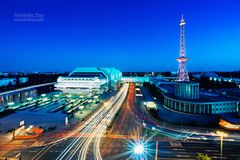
x: 182, y: 74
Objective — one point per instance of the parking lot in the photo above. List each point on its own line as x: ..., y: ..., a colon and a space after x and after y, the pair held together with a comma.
x: 49, y: 111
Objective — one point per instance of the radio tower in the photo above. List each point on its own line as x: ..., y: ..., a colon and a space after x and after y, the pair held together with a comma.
x: 182, y: 74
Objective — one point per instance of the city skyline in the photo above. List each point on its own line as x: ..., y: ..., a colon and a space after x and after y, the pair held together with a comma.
x: 131, y: 36
x: 119, y: 79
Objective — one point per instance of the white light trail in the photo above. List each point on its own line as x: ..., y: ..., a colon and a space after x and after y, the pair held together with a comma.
x: 95, y: 125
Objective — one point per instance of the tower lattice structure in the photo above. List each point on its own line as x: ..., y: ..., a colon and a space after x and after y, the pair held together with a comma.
x: 182, y: 74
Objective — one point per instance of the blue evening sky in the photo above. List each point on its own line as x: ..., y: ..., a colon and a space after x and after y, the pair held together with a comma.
x: 132, y: 35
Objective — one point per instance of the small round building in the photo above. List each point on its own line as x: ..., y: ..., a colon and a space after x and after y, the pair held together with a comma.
x: 187, y: 99
x: 184, y: 103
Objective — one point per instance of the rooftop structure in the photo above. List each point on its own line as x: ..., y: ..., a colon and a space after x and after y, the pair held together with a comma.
x: 207, y: 103
x: 187, y: 90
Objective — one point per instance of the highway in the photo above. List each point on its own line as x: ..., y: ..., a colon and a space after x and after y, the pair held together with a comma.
x: 126, y: 129
x: 181, y: 132
x: 89, y: 141
x: 128, y: 122
x: 188, y: 141
x: 172, y: 143
x: 76, y: 144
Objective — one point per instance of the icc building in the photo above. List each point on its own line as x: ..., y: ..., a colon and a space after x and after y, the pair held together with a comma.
x: 83, y: 80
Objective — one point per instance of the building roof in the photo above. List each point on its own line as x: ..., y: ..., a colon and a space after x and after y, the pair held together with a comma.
x: 205, y: 96
x: 85, y: 69
x: 186, y: 82
x: 110, y: 73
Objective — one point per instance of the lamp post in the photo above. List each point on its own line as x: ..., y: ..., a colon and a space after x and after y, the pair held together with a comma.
x: 222, y: 135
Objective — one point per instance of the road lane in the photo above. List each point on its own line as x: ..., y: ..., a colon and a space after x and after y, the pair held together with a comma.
x: 78, y: 146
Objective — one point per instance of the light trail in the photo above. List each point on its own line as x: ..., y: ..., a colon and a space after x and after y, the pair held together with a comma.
x: 101, y: 130
x: 95, y: 125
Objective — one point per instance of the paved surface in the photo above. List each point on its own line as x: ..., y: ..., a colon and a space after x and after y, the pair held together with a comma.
x: 168, y: 148
x: 79, y: 142
x: 41, y: 116
x: 128, y: 123
x: 118, y: 145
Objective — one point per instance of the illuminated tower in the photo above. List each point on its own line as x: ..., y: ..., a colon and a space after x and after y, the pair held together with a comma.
x: 182, y: 74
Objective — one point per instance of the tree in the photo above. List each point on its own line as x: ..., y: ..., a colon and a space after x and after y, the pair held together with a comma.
x: 201, y: 156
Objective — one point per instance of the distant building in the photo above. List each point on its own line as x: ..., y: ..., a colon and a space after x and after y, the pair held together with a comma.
x: 12, y: 81
x: 7, y: 81
x: 16, y: 96
x: 84, y: 80
x: 4, y: 74
x: 212, y: 76
x: 23, y: 79
x: 9, y: 98
x: 206, y: 74
x: 136, y: 79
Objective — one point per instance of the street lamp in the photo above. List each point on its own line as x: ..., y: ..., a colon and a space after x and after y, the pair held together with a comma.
x: 11, y: 103
x: 43, y: 95
x: 221, y: 134
x: 29, y: 98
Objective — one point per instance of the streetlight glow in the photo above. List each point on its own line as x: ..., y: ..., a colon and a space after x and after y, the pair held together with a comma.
x: 139, y: 149
x: 222, y: 134
x: 29, y: 98
x: 11, y: 103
